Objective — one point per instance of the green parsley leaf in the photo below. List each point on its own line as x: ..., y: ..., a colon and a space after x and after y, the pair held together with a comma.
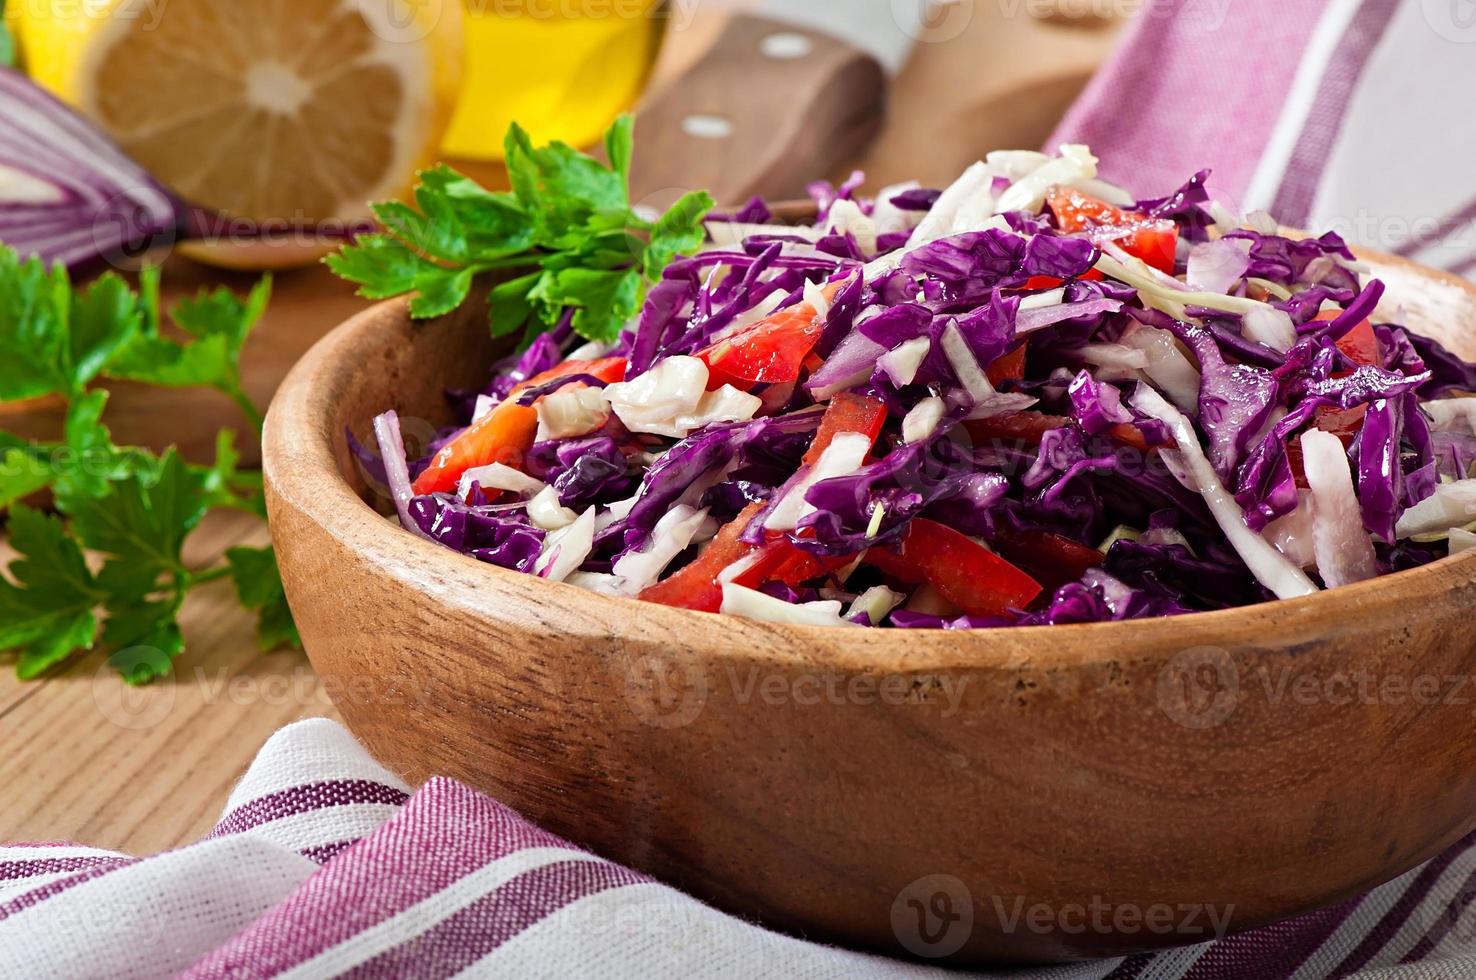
x: 35, y: 307
x: 7, y: 43
x: 143, y: 519
x: 677, y: 232
x: 603, y: 301
x: 105, y: 317
x: 259, y: 587
x: 566, y: 229
x: 25, y: 468
x: 48, y: 612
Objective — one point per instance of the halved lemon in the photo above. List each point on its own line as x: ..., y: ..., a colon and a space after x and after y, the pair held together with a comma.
x: 289, y: 113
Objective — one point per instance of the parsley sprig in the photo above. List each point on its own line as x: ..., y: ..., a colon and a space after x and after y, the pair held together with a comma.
x: 131, y: 508
x: 567, y: 226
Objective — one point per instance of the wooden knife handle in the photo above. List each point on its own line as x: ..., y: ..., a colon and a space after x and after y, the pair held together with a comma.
x: 771, y: 107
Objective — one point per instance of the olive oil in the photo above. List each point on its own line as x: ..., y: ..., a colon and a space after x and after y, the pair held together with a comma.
x: 564, y: 69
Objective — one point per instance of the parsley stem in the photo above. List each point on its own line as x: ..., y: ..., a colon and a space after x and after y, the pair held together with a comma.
x: 210, y: 575
x: 243, y: 401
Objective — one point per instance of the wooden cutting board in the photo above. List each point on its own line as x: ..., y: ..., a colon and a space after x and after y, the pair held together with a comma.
x: 141, y: 770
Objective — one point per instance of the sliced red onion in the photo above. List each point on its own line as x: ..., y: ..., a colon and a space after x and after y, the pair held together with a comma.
x: 68, y: 194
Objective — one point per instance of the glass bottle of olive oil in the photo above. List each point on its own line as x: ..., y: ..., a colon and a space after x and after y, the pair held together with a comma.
x: 564, y: 69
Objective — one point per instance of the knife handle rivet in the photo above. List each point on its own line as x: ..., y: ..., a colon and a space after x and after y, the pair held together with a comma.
x: 707, y: 126
x: 786, y: 45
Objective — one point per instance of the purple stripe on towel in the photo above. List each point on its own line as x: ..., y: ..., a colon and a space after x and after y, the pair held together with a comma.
x: 1191, y: 85
x: 1272, y: 952
x: 304, y: 799
x: 1293, y: 204
x: 38, y: 895
x: 1399, y: 913
x: 445, y: 832
x: 1444, y: 922
x: 463, y: 938
x: 16, y: 870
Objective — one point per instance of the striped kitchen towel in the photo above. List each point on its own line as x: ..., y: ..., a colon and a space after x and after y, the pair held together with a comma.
x: 1345, y: 115
x: 323, y: 865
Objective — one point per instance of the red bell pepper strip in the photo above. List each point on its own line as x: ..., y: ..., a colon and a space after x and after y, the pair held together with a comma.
x: 963, y: 571
x: 769, y: 351
x: 1155, y: 241
x: 847, y: 412
x: 777, y: 559
x: 1027, y: 427
x: 505, y: 434
x: 1051, y: 282
x: 696, y: 586
x: 1010, y: 367
x: 1052, y: 559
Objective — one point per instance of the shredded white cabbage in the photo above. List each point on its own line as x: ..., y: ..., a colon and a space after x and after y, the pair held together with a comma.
x: 1451, y: 505
x: 922, y: 419
x: 672, y: 535
x: 498, y: 476
x: 1461, y: 540
x: 901, y: 363
x: 876, y: 602
x: 1291, y: 534
x: 652, y: 402
x: 1168, y: 368
x: 545, y: 511
x: 1344, y: 550
x: 565, y: 550
x: 1452, y: 415
x: 1075, y: 164
x: 1267, y: 564
x: 752, y: 604
x: 972, y: 184
x: 886, y: 217
x: 844, y: 455
x: 1270, y: 326
x: 482, y: 407
x: 847, y: 217
x: 571, y: 412
x: 1215, y: 267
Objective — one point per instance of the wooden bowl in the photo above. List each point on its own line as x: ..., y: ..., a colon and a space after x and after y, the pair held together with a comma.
x: 1033, y: 794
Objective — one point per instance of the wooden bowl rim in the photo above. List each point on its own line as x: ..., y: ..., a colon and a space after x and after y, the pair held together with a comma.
x: 301, y: 468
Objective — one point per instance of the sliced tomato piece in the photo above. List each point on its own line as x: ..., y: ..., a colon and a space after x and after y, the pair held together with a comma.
x: 1010, y: 367
x: 769, y: 351
x: 1345, y: 423
x: 505, y: 434
x: 963, y: 571
x: 1053, y: 559
x: 847, y: 412
x: 1027, y: 427
x: 1155, y: 241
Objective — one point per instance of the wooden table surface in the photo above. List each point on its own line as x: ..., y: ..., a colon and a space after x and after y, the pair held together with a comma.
x: 87, y: 759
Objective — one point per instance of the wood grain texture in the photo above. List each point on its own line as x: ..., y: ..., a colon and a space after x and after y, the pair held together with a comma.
x: 1258, y: 762
x: 91, y: 760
